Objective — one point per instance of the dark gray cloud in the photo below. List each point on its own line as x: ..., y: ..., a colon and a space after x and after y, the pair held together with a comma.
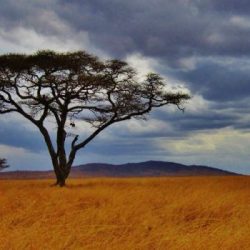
x: 22, y: 13
x: 16, y: 135
x: 165, y: 29
x: 186, y: 123
x: 218, y: 82
x: 122, y: 147
x: 240, y: 7
x: 213, y: 36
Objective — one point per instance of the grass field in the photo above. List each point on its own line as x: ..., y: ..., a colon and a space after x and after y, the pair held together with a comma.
x: 153, y: 213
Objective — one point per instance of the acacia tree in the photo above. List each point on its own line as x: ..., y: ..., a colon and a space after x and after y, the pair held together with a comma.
x: 3, y: 164
x: 67, y: 87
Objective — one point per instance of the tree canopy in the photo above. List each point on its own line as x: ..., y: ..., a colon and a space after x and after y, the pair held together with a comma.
x: 74, y: 86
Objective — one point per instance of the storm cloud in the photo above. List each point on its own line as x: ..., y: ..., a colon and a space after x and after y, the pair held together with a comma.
x: 201, y: 45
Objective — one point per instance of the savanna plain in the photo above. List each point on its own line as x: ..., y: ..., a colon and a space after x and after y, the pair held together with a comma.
x: 133, y: 213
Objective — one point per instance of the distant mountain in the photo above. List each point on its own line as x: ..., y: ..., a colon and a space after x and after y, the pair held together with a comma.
x: 146, y: 169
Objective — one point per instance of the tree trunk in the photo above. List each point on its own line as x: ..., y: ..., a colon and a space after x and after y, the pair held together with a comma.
x: 62, y: 173
x: 60, y: 181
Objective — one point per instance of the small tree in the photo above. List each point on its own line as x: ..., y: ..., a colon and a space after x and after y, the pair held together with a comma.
x: 3, y: 164
x: 74, y: 86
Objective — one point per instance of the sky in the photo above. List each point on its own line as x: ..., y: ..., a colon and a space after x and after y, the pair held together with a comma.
x: 199, y: 45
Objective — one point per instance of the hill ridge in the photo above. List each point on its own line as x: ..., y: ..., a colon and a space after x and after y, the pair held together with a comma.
x: 151, y: 168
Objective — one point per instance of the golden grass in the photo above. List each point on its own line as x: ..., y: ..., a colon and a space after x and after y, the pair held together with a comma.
x: 147, y: 213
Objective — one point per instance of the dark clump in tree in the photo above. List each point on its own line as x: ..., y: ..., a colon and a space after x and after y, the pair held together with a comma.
x: 3, y: 164
x: 67, y: 87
